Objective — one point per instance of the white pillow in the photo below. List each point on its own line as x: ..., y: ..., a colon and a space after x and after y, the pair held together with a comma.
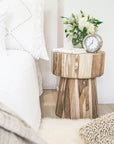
x: 25, y: 27
x: 19, y: 89
x: 3, y: 11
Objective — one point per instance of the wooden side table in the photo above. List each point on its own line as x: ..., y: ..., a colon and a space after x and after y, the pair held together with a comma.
x: 77, y: 95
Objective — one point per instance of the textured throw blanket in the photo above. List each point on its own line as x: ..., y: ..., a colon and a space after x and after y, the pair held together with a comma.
x: 15, y: 131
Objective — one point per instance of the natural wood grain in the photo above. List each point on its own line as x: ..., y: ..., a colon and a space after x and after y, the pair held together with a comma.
x: 94, y: 98
x: 98, y: 65
x: 69, y: 65
x: 74, y: 99
x: 77, y: 94
x: 56, y: 68
x: 83, y: 66
x: 84, y: 98
x: 48, y: 105
x: 61, y: 97
x: 67, y: 104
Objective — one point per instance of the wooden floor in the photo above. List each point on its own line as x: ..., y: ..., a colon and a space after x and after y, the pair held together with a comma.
x: 48, y: 104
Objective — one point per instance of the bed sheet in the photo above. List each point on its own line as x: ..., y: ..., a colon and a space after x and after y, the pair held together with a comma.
x: 19, y: 86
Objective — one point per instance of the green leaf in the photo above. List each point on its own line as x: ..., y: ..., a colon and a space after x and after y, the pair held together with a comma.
x: 75, y: 21
x: 71, y: 23
x: 88, y: 17
x: 82, y: 13
x: 65, y: 22
x: 74, y: 33
x: 95, y: 22
x: 71, y: 31
x: 73, y: 15
x: 84, y: 29
x: 66, y: 30
x: 64, y: 17
x: 74, y: 41
x: 99, y: 22
x: 67, y: 35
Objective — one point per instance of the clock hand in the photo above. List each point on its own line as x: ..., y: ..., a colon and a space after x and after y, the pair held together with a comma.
x: 91, y: 43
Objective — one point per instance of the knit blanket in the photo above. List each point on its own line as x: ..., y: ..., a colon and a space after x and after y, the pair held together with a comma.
x: 13, y: 130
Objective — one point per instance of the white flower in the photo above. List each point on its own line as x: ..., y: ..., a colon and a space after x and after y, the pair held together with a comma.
x: 83, y: 23
x: 90, y: 28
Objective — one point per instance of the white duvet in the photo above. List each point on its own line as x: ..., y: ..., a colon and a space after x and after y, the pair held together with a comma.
x: 24, y: 25
x: 19, y: 88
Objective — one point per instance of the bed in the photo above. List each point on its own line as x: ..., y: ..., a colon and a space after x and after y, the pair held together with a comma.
x: 21, y: 85
x: 22, y: 44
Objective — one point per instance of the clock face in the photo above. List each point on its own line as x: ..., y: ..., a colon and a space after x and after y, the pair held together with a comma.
x: 92, y: 43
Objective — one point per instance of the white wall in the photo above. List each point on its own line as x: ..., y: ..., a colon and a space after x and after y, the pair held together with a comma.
x: 50, y: 30
x: 60, y: 30
x: 53, y: 29
x: 103, y: 10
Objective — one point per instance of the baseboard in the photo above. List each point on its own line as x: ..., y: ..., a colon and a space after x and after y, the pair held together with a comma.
x: 109, y: 100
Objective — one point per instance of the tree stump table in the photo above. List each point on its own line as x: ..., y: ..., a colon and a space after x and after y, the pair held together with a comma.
x: 77, y: 94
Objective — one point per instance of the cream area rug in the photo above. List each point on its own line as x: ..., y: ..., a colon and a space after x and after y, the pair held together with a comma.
x: 61, y: 131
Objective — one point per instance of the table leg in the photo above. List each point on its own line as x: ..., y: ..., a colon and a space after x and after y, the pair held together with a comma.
x: 77, y: 98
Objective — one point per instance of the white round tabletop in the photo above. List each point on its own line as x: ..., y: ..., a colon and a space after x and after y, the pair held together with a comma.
x: 70, y: 50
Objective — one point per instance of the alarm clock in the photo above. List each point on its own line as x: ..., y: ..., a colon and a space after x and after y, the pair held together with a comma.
x: 92, y: 43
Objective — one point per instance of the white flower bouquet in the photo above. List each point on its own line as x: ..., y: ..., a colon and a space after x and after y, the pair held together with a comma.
x: 80, y: 26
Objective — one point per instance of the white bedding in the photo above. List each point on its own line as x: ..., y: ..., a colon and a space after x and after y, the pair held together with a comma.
x: 24, y: 26
x: 19, y: 88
